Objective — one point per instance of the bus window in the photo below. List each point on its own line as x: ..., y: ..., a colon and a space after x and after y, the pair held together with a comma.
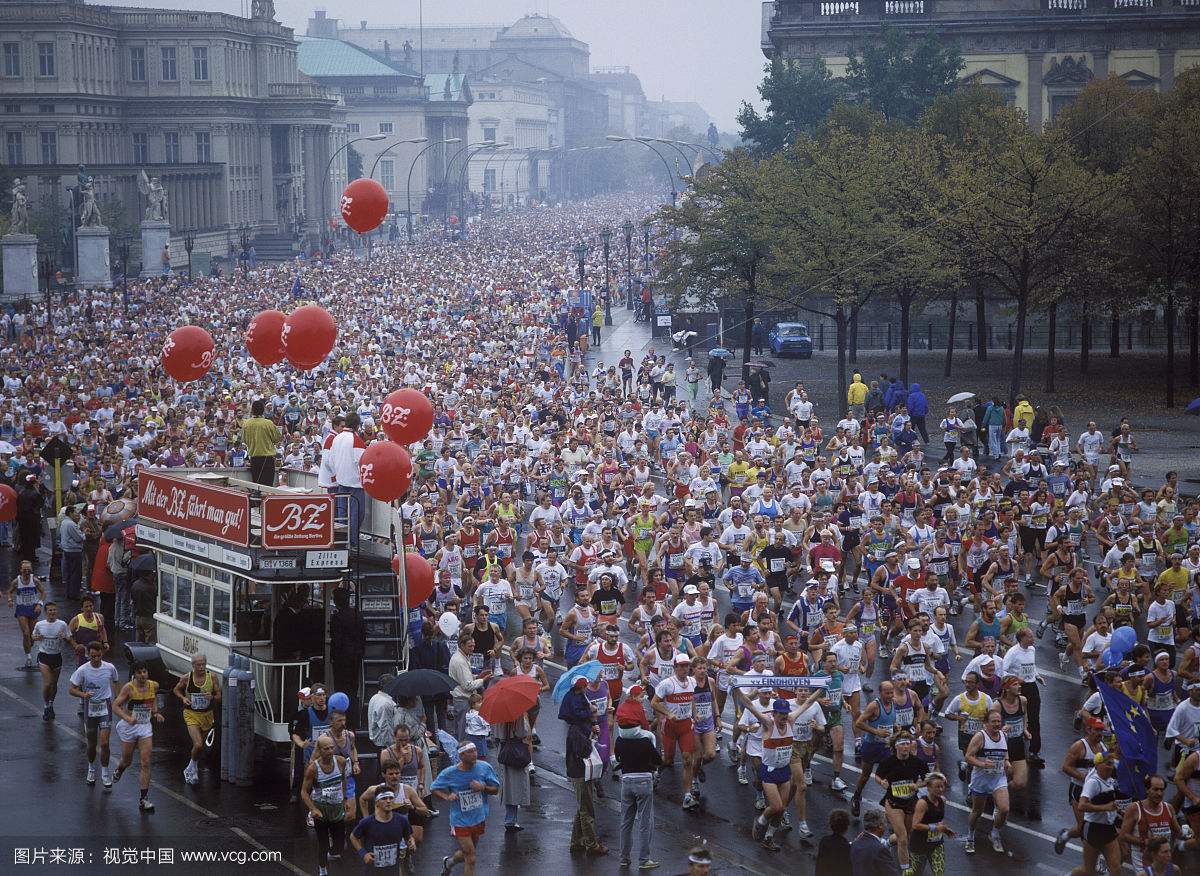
x: 183, y: 598
x: 222, y: 577
x: 222, y: 606
x: 203, y: 571
x: 166, y: 591
x: 185, y: 565
x: 200, y: 607
x: 252, y: 611
x: 166, y: 560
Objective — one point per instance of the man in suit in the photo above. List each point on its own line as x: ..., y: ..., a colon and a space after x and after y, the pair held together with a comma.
x: 869, y: 853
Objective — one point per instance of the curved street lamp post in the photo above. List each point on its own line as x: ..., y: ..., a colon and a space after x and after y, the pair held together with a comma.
x: 408, y: 197
x: 374, y: 138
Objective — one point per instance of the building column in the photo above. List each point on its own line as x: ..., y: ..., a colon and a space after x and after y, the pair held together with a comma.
x: 1100, y: 63
x: 1034, y: 63
x: 266, y: 180
x: 1166, y: 69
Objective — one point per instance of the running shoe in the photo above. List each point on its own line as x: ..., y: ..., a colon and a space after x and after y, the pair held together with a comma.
x: 855, y: 805
x: 649, y: 864
x: 446, y: 866
x: 760, y: 804
x: 997, y: 845
x: 786, y: 821
x: 116, y: 776
x: 770, y: 845
x: 758, y: 830
x: 1041, y: 627
x: 802, y: 828
x: 1060, y: 841
x: 808, y: 777
x: 690, y: 801
x: 837, y: 784
x: 962, y: 770
x: 969, y: 846
x: 145, y: 805
x: 91, y: 774
x: 46, y: 713
x: 743, y: 779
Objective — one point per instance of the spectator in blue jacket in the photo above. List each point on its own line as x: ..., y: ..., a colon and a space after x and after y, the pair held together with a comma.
x: 918, y: 407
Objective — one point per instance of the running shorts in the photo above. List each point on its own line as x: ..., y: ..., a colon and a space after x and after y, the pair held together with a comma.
x: 127, y: 732
x: 679, y: 732
x: 54, y: 661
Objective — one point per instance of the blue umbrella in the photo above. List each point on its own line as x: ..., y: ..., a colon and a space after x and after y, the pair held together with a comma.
x: 1193, y: 406
x: 590, y: 671
x: 720, y: 353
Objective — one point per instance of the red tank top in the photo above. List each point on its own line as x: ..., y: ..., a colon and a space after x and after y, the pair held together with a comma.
x: 1151, y: 826
x: 470, y: 546
x: 792, y: 667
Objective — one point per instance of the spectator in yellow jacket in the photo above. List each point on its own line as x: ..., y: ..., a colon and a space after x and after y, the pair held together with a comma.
x: 856, y: 396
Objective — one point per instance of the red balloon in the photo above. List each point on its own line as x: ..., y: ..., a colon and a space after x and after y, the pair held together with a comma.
x: 418, y: 576
x: 364, y: 204
x: 188, y: 353
x: 406, y: 416
x: 264, y: 337
x: 386, y: 470
x: 308, y: 334
x: 8, y: 506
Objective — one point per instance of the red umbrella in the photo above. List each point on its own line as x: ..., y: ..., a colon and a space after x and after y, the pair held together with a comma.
x: 509, y: 698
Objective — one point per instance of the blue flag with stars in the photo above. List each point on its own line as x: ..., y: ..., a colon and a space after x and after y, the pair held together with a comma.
x: 1135, y: 738
x: 296, y: 290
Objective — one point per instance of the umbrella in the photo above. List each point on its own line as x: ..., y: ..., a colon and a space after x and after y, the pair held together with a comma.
x: 757, y: 364
x: 510, y: 698
x: 114, y: 532
x: 5, y: 447
x: 720, y: 353
x: 1193, y: 406
x: 420, y: 683
x: 590, y: 670
x: 960, y: 397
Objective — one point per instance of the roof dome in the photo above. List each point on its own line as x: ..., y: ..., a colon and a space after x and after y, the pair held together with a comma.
x: 537, y: 26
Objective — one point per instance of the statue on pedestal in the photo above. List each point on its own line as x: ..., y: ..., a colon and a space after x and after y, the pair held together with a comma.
x: 19, y: 217
x: 156, y: 197
x: 89, y: 212
x: 262, y: 10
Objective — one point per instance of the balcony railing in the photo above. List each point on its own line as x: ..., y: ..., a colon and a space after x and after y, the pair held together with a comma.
x: 838, y: 7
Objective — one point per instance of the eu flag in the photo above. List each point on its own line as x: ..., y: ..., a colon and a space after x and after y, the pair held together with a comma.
x: 296, y: 291
x: 1135, y: 738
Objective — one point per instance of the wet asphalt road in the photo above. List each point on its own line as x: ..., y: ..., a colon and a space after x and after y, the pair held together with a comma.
x: 49, y: 814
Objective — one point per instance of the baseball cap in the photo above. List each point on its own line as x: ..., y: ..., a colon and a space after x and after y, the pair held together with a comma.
x: 681, y: 659
x: 827, y: 565
x: 781, y: 706
x: 635, y: 690
x: 913, y: 563
x: 690, y: 589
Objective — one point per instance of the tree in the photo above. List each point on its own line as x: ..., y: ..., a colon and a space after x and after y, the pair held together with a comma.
x: 723, y: 236
x: 820, y: 207
x: 1025, y: 209
x: 1164, y: 192
x: 1107, y: 124
x: 900, y: 80
x: 913, y: 260
x: 798, y: 97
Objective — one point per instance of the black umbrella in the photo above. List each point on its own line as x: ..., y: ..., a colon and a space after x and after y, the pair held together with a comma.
x: 114, y: 532
x: 420, y: 683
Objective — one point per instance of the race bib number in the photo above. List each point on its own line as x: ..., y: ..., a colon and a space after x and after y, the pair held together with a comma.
x: 469, y: 801
x: 385, y: 855
x: 97, y: 708
x: 141, y: 713
x: 199, y: 702
x: 331, y: 794
x: 777, y: 565
x: 608, y: 606
x: 903, y: 790
x: 972, y: 726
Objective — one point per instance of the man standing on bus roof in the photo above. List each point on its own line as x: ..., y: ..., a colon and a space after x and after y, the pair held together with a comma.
x: 345, y: 451
x: 262, y: 439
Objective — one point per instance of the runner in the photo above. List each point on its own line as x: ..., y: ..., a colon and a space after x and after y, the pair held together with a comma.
x: 467, y: 785
x: 901, y: 776
x: 1098, y: 803
x: 323, y: 792
x: 49, y: 635
x: 382, y: 839
x: 135, y: 727
x: 987, y: 755
x: 96, y: 685
x: 929, y: 829
x: 200, y: 692
x: 27, y: 594
x: 674, y: 704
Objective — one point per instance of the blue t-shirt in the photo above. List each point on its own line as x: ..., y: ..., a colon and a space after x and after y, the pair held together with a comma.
x: 471, y: 807
x: 386, y: 839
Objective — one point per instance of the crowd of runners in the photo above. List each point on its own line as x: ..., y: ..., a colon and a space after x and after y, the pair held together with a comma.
x: 765, y: 587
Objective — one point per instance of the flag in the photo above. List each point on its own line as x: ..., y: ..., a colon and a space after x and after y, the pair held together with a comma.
x: 296, y: 290
x: 1136, y: 740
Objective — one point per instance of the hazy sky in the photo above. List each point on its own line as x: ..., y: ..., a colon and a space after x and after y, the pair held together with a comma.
x: 702, y: 50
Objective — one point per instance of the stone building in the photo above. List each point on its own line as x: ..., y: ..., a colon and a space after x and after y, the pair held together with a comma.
x: 384, y: 95
x: 213, y: 104
x: 1038, y: 53
x: 523, y: 119
x: 626, y: 100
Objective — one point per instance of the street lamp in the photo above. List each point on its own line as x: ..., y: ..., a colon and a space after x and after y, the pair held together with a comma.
x: 374, y: 138
x: 123, y: 252
x: 646, y: 223
x: 46, y: 268
x: 189, y: 241
x: 670, y: 174
x: 408, y: 200
x: 687, y: 159
x: 464, y: 182
x: 628, y: 229
x: 244, y: 239
x: 581, y: 251
x: 700, y: 147
x: 446, y: 182
x: 606, y: 234
x: 378, y: 157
